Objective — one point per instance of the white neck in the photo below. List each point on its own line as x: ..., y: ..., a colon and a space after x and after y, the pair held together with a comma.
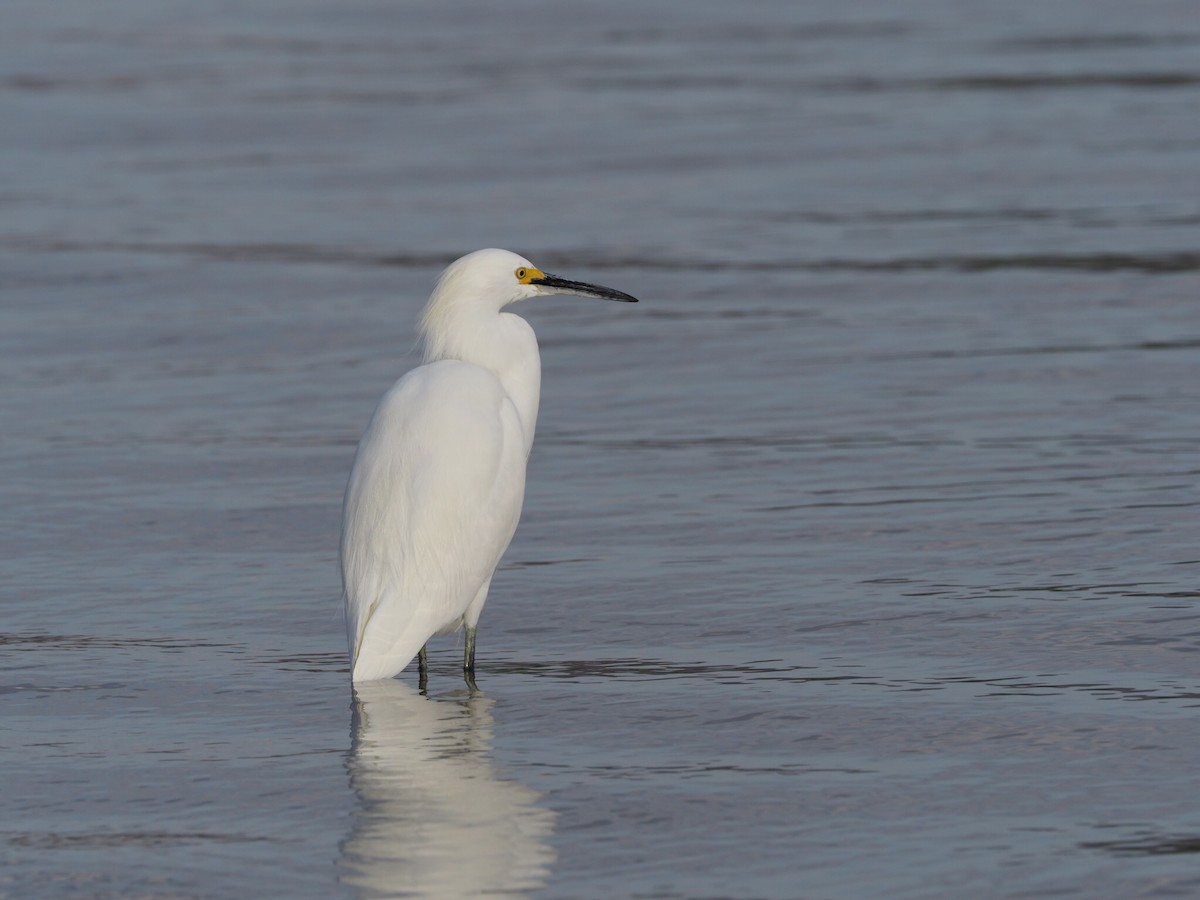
x: 500, y: 342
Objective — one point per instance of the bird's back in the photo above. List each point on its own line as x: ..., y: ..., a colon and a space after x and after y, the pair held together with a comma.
x: 433, y: 501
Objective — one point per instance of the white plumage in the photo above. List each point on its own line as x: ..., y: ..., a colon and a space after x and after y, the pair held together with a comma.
x: 439, y: 479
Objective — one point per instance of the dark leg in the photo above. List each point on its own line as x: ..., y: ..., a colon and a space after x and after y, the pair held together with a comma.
x: 469, y: 659
x: 423, y: 669
x: 469, y: 651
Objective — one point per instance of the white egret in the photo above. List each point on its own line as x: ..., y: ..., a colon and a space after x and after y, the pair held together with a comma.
x: 438, y: 482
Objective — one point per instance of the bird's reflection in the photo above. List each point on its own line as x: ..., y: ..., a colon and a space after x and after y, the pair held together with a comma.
x: 435, y: 818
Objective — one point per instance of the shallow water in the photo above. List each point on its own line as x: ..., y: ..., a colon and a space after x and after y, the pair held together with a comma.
x: 859, y: 558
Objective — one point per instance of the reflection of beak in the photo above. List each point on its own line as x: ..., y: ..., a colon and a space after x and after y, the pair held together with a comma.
x: 558, y: 285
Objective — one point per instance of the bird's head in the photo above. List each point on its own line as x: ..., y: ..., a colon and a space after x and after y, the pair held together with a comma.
x: 461, y: 314
x: 495, y: 278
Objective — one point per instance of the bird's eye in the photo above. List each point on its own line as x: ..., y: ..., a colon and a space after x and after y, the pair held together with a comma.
x: 522, y: 274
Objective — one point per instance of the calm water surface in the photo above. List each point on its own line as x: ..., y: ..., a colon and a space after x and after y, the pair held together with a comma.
x: 861, y: 558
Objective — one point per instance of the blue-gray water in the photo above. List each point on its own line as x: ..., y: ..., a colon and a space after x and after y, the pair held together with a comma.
x: 860, y: 559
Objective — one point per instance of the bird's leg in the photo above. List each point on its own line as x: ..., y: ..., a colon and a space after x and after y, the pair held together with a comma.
x: 469, y: 659
x: 469, y: 651
x: 423, y: 669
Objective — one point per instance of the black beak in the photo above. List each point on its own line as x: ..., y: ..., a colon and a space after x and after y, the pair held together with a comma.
x: 563, y: 286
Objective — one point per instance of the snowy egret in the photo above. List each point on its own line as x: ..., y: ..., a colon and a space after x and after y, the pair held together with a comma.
x: 438, y: 482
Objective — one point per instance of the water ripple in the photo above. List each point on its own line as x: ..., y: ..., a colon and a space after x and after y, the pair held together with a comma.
x: 55, y: 840
x: 1147, y: 844
x: 1156, y: 262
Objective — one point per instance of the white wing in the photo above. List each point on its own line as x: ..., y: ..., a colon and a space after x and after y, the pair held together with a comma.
x: 433, y: 501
